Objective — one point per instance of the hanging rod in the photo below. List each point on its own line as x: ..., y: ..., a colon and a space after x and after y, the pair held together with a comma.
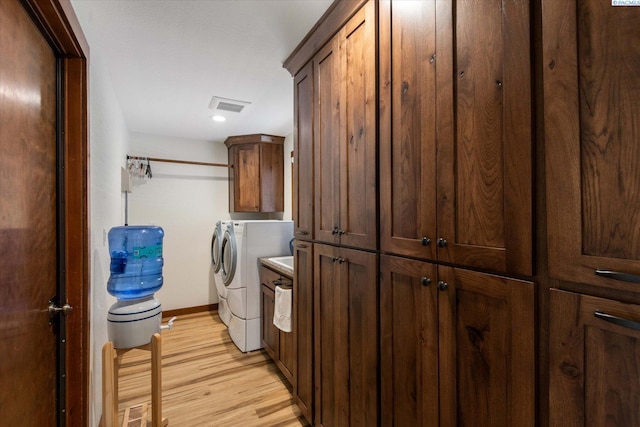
x: 186, y: 162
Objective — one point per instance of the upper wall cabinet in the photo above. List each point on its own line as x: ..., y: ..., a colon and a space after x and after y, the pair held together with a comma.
x: 345, y: 134
x: 591, y: 57
x: 256, y: 173
x: 455, y: 132
x: 303, y: 152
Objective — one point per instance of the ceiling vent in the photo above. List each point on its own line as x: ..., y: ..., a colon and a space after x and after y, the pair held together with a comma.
x: 226, y: 104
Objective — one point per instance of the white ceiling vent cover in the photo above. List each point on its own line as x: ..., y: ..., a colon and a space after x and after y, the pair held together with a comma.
x: 226, y: 104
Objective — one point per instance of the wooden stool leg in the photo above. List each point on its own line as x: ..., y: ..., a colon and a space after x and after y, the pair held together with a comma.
x: 156, y: 382
x: 109, y: 386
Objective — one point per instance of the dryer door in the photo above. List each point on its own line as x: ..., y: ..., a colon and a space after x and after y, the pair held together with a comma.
x: 229, y: 256
x: 216, y: 247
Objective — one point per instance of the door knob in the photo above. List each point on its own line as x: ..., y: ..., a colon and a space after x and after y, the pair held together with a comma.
x: 65, y: 310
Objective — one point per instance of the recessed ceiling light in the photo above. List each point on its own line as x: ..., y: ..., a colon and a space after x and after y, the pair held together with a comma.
x: 218, y: 118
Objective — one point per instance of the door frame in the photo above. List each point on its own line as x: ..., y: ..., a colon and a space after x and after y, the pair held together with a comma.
x: 60, y: 27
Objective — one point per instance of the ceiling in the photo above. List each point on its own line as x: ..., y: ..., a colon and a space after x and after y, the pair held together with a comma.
x: 167, y: 59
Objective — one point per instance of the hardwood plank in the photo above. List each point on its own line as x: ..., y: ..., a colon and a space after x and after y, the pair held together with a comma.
x: 207, y: 380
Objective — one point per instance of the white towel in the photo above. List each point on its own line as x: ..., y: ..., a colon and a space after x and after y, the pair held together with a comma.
x: 282, y: 309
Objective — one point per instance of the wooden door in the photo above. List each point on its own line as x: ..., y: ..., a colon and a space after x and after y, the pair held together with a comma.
x: 487, y: 349
x: 327, y: 142
x: 28, y: 237
x: 484, y: 164
x: 591, y: 53
x: 595, y: 369
x: 271, y: 177
x: 286, y: 345
x: 358, y: 224
x: 345, y: 333
x: 407, y: 128
x: 303, y: 151
x: 270, y: 334
x: 408, y: 343
x: 245, y: 186
x: 303, y: 317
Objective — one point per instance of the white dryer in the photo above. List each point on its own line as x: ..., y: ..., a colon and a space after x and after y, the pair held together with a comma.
x: 242, y: 245
x: 216, y: 263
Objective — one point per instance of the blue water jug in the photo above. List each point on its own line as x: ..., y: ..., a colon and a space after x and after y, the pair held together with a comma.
x: 136, y: 261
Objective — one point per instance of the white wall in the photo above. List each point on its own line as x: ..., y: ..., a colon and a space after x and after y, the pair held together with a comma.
x: 108, y: 147
x: 186, y: 201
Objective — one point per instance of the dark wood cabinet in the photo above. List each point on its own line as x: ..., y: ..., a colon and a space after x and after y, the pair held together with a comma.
x: 591, y: 54
x: 590, y: 57
x: 303, y: 315
x: 457, y: 346
x: 345, y: 134
x: 256, y: 173
x: 278, y: 344
x: 455, y: 133
x: 270, y: 333
x: 594, y: 363
x: 408, y: 343
x: 303, y: 153
x: 345, y: 333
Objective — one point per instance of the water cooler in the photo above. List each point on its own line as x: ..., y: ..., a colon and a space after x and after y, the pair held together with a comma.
x: 136, y: 274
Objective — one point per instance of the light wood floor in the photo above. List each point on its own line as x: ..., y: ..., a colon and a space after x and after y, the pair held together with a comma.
x: 207, y: 381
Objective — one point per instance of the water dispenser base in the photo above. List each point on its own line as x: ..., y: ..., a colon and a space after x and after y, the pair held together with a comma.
x: 131, y: 323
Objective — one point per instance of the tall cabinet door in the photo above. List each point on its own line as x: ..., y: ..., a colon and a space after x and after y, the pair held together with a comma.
x: 303, y: 316
x: 487, y: 350
x: 303, y: 152
x: 591, y: 54
x: 345, y: 134
x: 358, y: 192
x: 407, y: 128
x: 346, y: 348
x: 327, y: 142
x: 595, y: 367
x: 408, y: 343
x: 483, y: 131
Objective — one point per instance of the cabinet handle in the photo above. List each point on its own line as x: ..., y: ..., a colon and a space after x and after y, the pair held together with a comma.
x: 617, y: 275
x: 303, y: 233
x: 276, y: 282
x: 302, y: 246
x: 425, y: 281
x: 442, y: 285
x: 342, y: 260
x: 341, y: 232
x: 442, y: 242
x: 334, y: 231
x: 426, y: 241
x: 625, y: 323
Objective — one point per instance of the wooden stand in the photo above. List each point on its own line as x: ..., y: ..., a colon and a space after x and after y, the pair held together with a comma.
x: 110, y: 363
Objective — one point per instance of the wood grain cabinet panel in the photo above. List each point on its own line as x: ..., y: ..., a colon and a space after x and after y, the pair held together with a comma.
x: 345, y: 135
x: 455, y: 132
x: 591, y: 54
x: 303, y: 315
x: 594, y: 362
x: 303, y: 153
x: 270, y: 334
x: 457, y: 346
x: 278, y: 344
x: 256, y: 174
x: 345, y: 334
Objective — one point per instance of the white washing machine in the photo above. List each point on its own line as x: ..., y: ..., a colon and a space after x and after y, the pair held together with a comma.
x: 243, y: 243
x: 216, y: 263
